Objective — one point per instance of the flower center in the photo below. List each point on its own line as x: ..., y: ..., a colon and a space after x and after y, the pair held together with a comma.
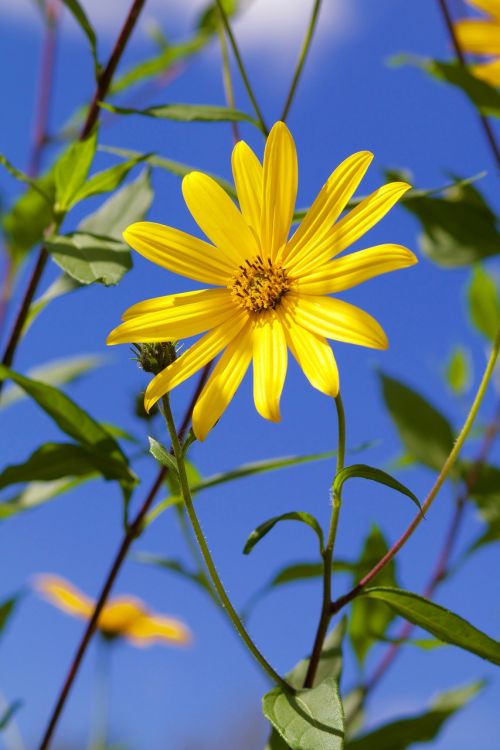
x: 259, y: 285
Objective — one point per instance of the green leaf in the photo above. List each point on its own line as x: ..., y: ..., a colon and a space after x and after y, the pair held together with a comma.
x: 174, y: 566
x: 106, y: 181
x: 76, y: 423
x: 459, y: 228
x: 484, y: 302
x: 6, y: 610
x: 8, y: 714
x: 38, y: 493
x: 72, y: 169
x: 164, y: 457
x: 483, y: 96
x: 458, y: 371
x: 55, y: 461
x: 35, y: 184
x: 309, y: 719
x: 25, y: 223
x: 90, y: 258
x: 369, y: 619
x: 306, y: 570
x: 56, y: 372
x: 362, y: 471
x: 130, y: 204
x: 209, y: 19
x: 440, y: 622
x: 486, y: 494
x: 187, y: 113
x: 174, y: 167
x: 61, y: 286
x: 425, y: 432
x: 264, y: 528
x: 423, y: 727
x: 82, y: 20
x: 330, y: 662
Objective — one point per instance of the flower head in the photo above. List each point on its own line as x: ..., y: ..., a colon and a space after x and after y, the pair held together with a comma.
x: 123, y: 617
x: 481, y: 36
x: 272, y: 290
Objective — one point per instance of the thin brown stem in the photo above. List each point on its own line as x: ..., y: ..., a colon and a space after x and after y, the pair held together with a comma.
x: 90, y: 121
x: 132, y: 532
x: 485, y: 123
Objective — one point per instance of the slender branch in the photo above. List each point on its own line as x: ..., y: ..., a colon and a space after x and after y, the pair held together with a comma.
x: 485, y: 123
x: 226, y: 77
x: 207, y: 557
x: 443, y: 474
x: 306, y: 45
x: 241, y: 67
x: 327, y: 554
x: 90, y: 121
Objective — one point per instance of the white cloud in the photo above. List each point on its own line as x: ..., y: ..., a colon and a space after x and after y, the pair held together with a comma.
x: 271, y: 28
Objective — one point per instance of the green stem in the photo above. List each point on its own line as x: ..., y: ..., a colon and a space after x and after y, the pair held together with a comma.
x: 207, y: 557
x: 241, y: 67
x: 195, y: 552
x: 325, y: 615
x: 443, y: 475
x: 226, y: 77
x: 306, y: 45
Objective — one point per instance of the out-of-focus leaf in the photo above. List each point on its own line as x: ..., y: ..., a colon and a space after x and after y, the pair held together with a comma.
x: 37, y: 493
x: 426, y: 434
x: 423, y: 727
x: 90, y: 258
x: 484, y: 302
x: 6, y: 610
x: 76, y: 423
x: 187, y: 113
x: 174, y: 167
x: 484, y: 97
x: 35, y: 184
x: 82, y: 20
x: 362, y: 471
x: 458, y: 371
x: 440, y: 622
x: 459, y: 228
x: 56, y: 372
x: 370, y: 619
x: 330, y: 663
x: 130, y: 204
x: 354, y: 710
x: 72, y: 169
x: 174, y: 566
x: 163, y: 456
x: 55, y: 461
x: 264, y: 528
x: 209, y: 19
x: 306, y: 570
x: 309, y: 719
x: 486, y: 494
x: 62, y: 285
x: 107, y: 180
x: 8, y: 714
x: 25, y: 223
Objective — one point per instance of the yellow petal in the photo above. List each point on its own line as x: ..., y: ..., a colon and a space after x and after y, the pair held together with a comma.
x: 198, y: 355
x: 479, y: 37
x: 223, y: 383
x: 489, y: 72
x: 269, y: 365
x: 280, y: 190
x: 354, y: 225
x: 314, y: 356
x: 350, y: 270
x: 329, y: 204
x: 336, y: 319
x: 179, y: 252
x: 247, y: 173
x: 173, y: 317
x: 215, y: 213
x: 64, y: 596
x: 492, y: 7
x: 129, y: 618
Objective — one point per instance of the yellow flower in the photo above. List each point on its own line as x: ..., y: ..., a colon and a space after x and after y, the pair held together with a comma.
x: 272, y: 290
x: 481, y: 36
x: 124, y: 616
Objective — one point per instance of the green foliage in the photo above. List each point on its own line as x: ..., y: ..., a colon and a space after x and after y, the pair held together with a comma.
x: 163, y: 456
x: 484, y: 303
x: 187, y: 113
x: 426, y: 434
x: 369, y: 619
x: 330, y: 662
x: 61, y: 286
x: 107, y: 180
x: 458, y: 371
x: 23, y: 177
x: 362, y: 471
x: 440, y: 622
x: 90, y: 258
x: 486, y: 494
x: 209, y: 20
x: 8, y: 714
x: 174, y: 565
x: 25, y: 223
x: 82, y: 20
x: 6, y: 611
x: 71, y: 171
x: 53, y: 461
x: 264, y: 528
x: 423, y: 727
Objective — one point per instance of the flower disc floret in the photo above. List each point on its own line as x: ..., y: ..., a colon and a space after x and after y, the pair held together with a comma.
x: 259, y: 285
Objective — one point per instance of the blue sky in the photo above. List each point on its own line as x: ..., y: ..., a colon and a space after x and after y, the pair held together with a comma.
x: 348, y: 100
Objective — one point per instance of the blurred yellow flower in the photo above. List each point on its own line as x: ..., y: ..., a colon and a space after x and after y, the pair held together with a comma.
x: 124, y: 616
x: 481, y: 36
x: 272, y: 293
